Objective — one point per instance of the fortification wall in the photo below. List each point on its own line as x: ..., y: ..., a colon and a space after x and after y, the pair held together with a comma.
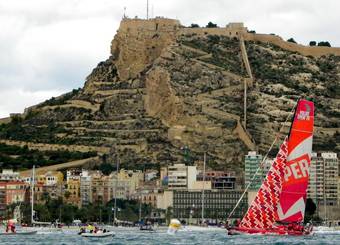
x: 53, y: 147
x: 139, y: 42
x: 228, y: 31
x: 156, y: 24
x: 315, y: 51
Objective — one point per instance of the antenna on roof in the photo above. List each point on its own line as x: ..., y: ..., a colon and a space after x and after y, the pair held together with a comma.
x: 147, y: 9
x: 152, y: 16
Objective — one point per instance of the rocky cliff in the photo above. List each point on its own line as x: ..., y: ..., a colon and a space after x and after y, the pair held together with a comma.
x: 168, y: 93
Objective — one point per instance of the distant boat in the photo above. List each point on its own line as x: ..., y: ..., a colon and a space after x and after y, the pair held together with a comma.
x: 279, y: 205
x: 174, y: 226
x: 146, y: 227
x: 98, y: 235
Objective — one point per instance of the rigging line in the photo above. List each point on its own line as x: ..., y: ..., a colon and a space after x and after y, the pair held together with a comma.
x: 261, y: 165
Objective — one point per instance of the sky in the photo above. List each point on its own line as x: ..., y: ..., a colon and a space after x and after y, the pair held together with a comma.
x: 48, y: 47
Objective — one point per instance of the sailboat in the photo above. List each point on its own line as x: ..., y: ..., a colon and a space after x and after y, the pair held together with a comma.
x: 279, y: 205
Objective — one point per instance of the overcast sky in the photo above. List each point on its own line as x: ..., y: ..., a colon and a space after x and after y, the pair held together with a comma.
x: 48, y: 47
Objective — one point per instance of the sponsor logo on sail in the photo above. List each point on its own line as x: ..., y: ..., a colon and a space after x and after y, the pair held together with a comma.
x: 297, y: 170
x: 304, y: 115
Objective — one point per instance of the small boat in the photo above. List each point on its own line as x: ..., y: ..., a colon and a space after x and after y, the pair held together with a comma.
x: 146, y: 228
x: 98, y: 235
x: 279, y: 206
x: 19, y: 233
x: 174, y: 226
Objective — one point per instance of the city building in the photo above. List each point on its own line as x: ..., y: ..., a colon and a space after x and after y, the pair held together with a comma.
x: 119, y: 188
x: 133, y: 177
x: 323, y: 178
x: 219, y: 179
x: 72, y: 193
x: 45, y: 178
x: 164, y: 176
x: 150, y: 175
x: 181, y: 176
x: 11, y: 192
x: 217, y: 204
x: 85, y: 188
x: 101, y: 191
x: 252, y: 162
x: 9, y: 175
x: 165, y: 199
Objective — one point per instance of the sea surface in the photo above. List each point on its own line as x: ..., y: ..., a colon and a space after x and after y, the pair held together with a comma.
x: 161, y: 237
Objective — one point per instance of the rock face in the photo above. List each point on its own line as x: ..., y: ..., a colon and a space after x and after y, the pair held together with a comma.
x: 166, y: 88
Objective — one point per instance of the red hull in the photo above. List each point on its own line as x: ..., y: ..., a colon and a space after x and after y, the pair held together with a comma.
x: 281, y: 231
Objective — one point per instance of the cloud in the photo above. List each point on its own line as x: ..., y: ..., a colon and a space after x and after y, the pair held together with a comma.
x: 51, y: 46
x: 15, y: 100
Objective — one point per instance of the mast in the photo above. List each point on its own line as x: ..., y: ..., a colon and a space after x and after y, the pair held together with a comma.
x: 147, y: 9
x: 32, y: 194
x: 140, y: 209
x: 245, y: 105
x: 324, y: 190
x: 203, y: 186
x: 115, y: 204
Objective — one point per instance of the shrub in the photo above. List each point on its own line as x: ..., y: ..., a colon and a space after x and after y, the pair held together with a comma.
x: 324, y: 43
x: 211, y: 25
x: 312, y: 43
x: 291, y: 40
x: 194, y: 25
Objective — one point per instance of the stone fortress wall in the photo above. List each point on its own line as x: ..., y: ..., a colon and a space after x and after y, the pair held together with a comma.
x: 231, y: 30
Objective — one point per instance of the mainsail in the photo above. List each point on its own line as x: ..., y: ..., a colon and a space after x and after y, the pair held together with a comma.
x: 282, y: 194
x: 291, y: 207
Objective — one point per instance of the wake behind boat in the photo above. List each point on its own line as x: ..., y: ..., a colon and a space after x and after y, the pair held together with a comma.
x: 279, y: 205
x: 19, y: 233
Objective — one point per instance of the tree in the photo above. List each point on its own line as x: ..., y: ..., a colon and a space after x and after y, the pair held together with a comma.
x: 291, y: 40
x: 42, y: 213
x: 168, y: 214
x: 67, y: 194
x: 46, y: 196
x: 194, y: 25
x: 107, y: 168
x: 312, y: 43
x: 310, y: 207
x: 211, y: 25
x: 324, y: 43
x: 310, y: 210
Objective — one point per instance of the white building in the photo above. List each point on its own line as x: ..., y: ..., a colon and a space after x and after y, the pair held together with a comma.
x: 150, y: 175
x: 323, y: 178
x: 181, y: 176
x: 85, y: 188
x: 9, y: 175
x: 121, y: 189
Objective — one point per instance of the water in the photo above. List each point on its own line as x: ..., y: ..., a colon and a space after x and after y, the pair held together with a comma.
x: 185, y: 237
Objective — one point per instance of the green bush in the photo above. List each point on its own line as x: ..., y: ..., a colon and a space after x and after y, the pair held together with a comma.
x: 211, y: 25
x: 324, y: 44
x: 291, y: 40
x: 312, y: 43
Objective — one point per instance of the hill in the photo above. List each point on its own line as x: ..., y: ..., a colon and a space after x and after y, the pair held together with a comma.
x: 168, y: 93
